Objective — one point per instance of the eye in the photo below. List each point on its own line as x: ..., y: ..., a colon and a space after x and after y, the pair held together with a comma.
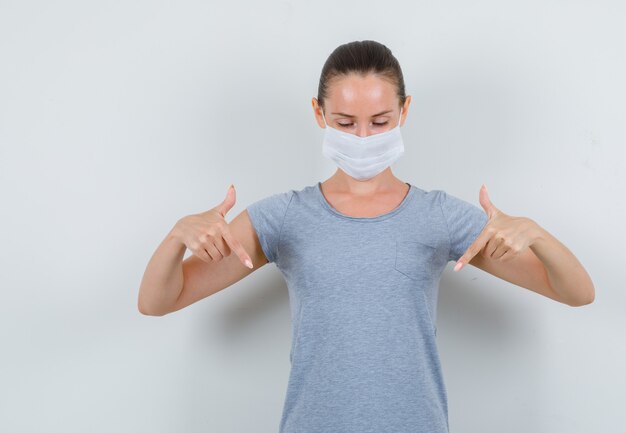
x: 375, y: 123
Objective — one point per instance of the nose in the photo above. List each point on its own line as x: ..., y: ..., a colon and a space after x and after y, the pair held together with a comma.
x: 363, y: 130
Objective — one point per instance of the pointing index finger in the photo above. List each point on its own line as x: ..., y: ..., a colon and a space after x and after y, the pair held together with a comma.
x: 237, y: 248
x: 472, y: 250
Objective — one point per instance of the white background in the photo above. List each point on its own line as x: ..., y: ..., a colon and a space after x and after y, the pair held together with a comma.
x: 117, y: 118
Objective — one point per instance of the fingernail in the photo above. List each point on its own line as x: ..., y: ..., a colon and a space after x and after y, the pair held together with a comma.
x: 458, y: 266
x: 249, y: 263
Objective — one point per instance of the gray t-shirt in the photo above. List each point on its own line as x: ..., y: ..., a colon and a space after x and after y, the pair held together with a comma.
x: 363, y: 296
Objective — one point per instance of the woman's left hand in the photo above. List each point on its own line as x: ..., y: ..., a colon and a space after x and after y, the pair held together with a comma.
x: 503, y: 237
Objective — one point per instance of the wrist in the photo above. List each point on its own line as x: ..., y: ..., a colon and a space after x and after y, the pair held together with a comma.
x: 537, y: 233
x: 175, y: 233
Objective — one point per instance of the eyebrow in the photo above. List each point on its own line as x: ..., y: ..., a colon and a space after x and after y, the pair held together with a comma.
x: 374, y: 115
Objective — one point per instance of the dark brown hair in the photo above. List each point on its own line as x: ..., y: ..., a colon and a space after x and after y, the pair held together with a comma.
x: 361, y: 57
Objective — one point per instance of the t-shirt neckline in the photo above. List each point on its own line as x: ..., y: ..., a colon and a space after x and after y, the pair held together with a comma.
x: 332, y: 210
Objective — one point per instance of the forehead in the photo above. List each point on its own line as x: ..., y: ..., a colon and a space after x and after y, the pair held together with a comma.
x: 360, y: 95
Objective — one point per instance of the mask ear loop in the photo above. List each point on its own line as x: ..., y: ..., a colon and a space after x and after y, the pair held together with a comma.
x: 400, y: 116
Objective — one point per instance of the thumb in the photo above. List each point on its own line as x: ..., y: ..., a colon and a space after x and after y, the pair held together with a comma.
x: 485, y: 202
x: 228, y: 202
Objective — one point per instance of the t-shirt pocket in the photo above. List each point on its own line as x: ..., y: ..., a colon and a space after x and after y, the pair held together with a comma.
x: 414, y: 259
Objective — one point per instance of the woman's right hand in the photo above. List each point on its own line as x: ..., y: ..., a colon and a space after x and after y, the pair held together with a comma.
x: 207, y: 234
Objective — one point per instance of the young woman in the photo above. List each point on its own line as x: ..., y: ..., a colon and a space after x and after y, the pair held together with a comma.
x: 362, y: 254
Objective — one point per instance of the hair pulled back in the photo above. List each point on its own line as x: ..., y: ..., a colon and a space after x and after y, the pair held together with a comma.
x: 361, y: 57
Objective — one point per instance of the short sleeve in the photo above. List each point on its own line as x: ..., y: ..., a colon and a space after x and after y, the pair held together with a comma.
x: 267, y: 216
x: 464, y: 221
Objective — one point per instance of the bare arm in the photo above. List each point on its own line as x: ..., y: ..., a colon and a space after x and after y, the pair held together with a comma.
x: 162, y: 280
x: 521, y: 252
x: 205, y: 279
x: 169, y: 283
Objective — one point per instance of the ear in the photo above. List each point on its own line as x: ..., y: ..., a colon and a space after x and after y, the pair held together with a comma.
x: 317, y: 111
x: 405, y: 109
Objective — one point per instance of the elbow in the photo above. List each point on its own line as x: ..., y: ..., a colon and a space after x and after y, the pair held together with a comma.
x: 143, y: 309
x: 591, y: 296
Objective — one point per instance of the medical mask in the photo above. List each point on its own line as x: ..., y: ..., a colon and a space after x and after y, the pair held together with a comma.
x: 363, y: 157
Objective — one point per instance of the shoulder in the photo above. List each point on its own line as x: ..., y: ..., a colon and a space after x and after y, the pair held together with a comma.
x: 446, y: 204
x: 267, y: 216
x: 451, y: 202
x: 278, y: 204
x: 288, y: 198
x: 431, y: 198
x: 273, y: 204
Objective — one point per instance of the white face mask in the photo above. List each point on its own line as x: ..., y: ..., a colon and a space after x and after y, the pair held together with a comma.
x: 362, y: 157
